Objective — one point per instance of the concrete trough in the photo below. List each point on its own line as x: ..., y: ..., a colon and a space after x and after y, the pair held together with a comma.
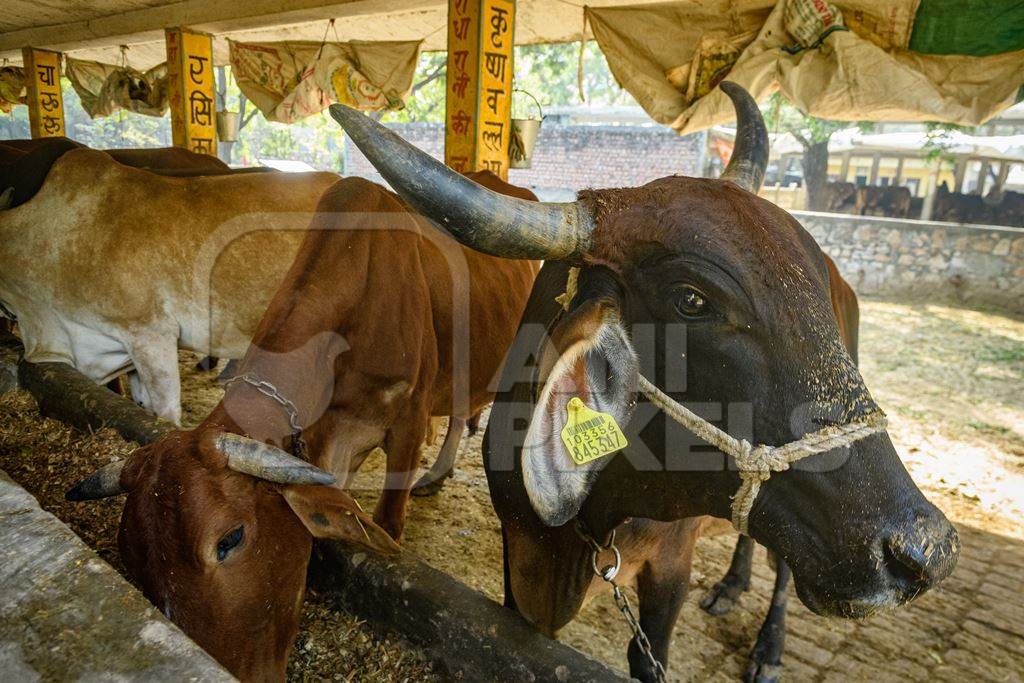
x: 65, y: 614
x: 465, y: 634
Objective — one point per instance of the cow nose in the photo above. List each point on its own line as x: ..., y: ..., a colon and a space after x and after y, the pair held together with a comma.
x: 922, y: 553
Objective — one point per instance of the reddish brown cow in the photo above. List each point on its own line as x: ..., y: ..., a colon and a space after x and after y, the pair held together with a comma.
x: 369, y: 335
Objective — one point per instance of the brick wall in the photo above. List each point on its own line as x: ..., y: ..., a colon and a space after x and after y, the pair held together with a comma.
x: 573, y: 157
x: 976, y: 264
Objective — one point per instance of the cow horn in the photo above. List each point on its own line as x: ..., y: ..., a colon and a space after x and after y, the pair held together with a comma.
x: 267, y: 462
x: 750, y: 153
x: 103, y: 483
x: 477, y: 217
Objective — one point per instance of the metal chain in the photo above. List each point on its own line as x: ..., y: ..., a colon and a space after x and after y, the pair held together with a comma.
x: 608, y: 574
x: 270, y: 391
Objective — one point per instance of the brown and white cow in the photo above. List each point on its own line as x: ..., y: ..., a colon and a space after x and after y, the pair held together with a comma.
x: 382, y: 322
x: 749, y: 286
x: 109, y: 267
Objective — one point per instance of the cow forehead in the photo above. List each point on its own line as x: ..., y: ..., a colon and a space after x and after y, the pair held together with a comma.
x: 182, y: 485
x: 757, y: 243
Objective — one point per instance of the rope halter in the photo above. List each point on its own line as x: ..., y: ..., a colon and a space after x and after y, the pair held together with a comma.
x: 756, y: 464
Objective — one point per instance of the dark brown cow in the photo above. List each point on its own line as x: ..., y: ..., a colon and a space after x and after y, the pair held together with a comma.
x: 840, y: 195
x: 765, y: 661
x: 956, y: 207
x: 746, y: 287
x: 171, y: 158
x: 890, y: 201
x: 382, y: 322
x: 24, y: 164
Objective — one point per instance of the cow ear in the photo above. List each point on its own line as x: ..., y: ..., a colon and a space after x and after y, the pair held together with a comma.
x: 329, y: 512
x: 590, y: 358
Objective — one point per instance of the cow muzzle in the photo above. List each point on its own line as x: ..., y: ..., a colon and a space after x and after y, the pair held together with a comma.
x: 902, y: 563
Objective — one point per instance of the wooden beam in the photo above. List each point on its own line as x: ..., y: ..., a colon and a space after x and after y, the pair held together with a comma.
x: 147, y: 25
x: 478, y: 104
x: 45, y: 100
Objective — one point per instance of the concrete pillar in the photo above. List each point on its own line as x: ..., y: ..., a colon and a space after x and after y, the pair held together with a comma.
x: 898, y: 178
x: 1004, y: 173
x: 44, y: 98
x: 478, y: 105
x: 191, y: 90
x: 875, y: 162
x: 982, y: 177
x: 959, y: 173
x: 844, y: 168
x: 928, y: 207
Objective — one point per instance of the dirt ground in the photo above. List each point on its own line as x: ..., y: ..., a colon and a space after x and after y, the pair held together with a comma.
x: 952, y: 383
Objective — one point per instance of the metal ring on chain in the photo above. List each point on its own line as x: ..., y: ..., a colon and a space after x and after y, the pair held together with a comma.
x: 608, y: 574
x: 612, y: 570
x: 270, y: 391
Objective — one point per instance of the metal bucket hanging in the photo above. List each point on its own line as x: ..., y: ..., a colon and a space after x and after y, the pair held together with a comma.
x: 227, y: 126
x: 524, y: 137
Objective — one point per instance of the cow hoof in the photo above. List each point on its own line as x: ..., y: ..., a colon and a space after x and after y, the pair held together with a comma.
x: 762, y: 673
x: 206, y: 364
x: 428, y: 486
x: 722, y: 597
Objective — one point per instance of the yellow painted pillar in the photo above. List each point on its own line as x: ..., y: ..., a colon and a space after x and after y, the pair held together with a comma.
x: 45, y: 102
x: 191, y: 90
x: 478, y: 105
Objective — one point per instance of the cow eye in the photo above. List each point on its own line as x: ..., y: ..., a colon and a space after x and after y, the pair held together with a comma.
x: 229, y: 542
x: 690, y: 302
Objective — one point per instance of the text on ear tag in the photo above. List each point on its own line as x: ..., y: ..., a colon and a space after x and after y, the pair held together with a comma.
x: 588, y: 434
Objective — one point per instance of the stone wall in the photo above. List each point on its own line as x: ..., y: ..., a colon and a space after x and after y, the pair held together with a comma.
x: 569, y: 158
x: 975, y: 264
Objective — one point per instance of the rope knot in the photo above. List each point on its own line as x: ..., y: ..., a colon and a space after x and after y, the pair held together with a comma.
x: 758, y: 462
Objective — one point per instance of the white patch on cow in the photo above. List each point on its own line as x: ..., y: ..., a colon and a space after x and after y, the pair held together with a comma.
x: 397, y: 390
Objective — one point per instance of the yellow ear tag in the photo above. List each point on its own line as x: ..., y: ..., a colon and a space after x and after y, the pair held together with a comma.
x: 588, y: 434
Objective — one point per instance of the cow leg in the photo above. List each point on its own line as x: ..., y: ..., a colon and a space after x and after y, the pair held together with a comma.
x: 402, y: 444
x: 510, y: 598
x: 474, y: 424
x: 765, y: 663
x: 661, y: 587
x: 206, y: 363
x: 158, y: 382
x: 433, y: 481
x: 229, y: 370
x: 723, y: 595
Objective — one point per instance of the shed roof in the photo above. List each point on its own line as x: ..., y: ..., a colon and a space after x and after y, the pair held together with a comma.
x: 96, y: 30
